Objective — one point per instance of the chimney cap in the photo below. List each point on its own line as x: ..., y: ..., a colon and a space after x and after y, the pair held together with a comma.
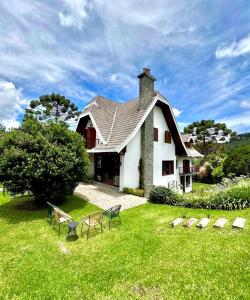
x: 146, y: 72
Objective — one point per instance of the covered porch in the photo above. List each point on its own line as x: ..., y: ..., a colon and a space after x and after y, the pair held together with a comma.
x: 105, y: 167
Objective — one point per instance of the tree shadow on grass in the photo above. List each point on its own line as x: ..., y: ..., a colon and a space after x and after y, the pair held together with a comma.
x: 22, y: 209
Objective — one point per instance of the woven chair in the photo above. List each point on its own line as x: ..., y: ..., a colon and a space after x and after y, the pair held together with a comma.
x: 59, y: 218
x: 113, y: 213
x: 92, y: 220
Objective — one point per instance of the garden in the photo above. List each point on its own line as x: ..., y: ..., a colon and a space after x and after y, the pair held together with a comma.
x: 143, y: 258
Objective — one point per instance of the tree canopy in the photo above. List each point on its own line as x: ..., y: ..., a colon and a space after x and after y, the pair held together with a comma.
x: 238, y: 161
x: 53, y: 107
x: 45, y: 159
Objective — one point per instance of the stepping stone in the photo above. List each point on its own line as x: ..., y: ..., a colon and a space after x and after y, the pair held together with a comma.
x: 203, y: 222
x: 220, y: 223
x: 177, y: 222
x: 190, y: 222
x: 239, y: 223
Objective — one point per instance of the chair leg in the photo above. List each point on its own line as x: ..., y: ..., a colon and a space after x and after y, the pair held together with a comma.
x: 101, y: 228
x: 120, y: 220
x: 109, y: 224
x: 88, y: 233
x: 59, y: 231
x: 81, y: 229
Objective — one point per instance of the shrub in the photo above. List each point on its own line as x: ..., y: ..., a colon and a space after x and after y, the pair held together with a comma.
x: 238, y: 161
x: 162, y: 195
x: 233, y: 197
x: 47, y: 160
x: 136, y: 192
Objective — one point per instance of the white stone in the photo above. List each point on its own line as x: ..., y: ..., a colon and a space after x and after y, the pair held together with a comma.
x: 203, y: 222
x: 177, y: 222
x: 190, y: 222
x: 239, y: 223
x: 220, y: 223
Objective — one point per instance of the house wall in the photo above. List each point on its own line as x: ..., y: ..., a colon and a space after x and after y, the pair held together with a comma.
x: 163, y: 151
x: 129, y: 172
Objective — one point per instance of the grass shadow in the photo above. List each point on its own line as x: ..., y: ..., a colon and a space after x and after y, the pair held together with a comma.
x: 15, y: 210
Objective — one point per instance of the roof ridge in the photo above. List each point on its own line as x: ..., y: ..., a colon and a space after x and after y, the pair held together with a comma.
x: 112, y: 125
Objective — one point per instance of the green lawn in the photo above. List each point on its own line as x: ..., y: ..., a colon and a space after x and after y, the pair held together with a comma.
x: 197, y: 186
x: 144, y: 258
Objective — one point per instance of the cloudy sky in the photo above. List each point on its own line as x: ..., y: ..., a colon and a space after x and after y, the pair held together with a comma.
x: 199, y: 51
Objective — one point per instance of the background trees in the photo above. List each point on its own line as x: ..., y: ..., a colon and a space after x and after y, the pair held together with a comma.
x: 238, y: 161
x: 52, y: 107
x: 45, y: 159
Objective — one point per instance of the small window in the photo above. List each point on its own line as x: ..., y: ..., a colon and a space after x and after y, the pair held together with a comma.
x: 155, y: 134
x: 167, y: 137
x: 167, y: 167
x: 188, y: 181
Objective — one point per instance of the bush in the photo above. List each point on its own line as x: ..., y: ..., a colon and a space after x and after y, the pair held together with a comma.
x: 238, y: 161
x: 233, y: 197
x: 162, y: 195
x: 47, y: 160
x: 136, y: 192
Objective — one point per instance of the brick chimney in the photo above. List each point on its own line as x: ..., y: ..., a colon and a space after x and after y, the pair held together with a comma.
x: 146, y: 88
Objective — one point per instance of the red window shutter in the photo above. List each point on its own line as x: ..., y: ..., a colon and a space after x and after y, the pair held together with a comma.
x: 155, y: 134
x: 172, y: 167
x: 167, y: 137
x: 163, y: 168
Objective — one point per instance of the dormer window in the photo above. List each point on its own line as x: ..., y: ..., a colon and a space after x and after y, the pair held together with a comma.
x: 155, y: 134
x: 167, y: 137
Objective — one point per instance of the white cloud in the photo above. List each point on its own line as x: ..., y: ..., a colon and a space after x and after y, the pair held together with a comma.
x: 234, y: 49
x: 177, y: 112
x: 11, y: 103
x: 75, y: 13
x: 245, y: 104
x: 239, y: 122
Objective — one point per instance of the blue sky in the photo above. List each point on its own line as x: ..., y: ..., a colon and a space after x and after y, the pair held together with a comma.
x: 199, y: 51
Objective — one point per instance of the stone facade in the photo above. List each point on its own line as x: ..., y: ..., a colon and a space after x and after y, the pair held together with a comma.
x: 146, y: 88
x: 147, y: 153
x: 146, y: 92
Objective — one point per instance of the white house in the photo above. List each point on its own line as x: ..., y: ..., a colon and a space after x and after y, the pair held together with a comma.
x: 137, y: 142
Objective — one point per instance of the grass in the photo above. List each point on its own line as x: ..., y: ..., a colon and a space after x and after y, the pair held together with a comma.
x: 144, y: 258
x: 197, y: 186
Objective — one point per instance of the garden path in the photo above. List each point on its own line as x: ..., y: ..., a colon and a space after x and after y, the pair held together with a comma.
x: 106, y: 196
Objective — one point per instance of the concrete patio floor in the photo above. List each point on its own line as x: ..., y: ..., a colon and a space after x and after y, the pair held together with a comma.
x: 105, y: 196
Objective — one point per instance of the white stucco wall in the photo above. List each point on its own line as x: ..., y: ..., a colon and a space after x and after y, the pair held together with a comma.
x: 129, y: 172
x: 163, y: 151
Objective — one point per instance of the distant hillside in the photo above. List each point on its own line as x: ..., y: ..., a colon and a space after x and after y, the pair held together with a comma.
x: 210, y: 131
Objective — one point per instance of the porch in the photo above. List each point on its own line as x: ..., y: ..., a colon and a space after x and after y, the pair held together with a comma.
x: 106, y: 196
x: 105, y: 168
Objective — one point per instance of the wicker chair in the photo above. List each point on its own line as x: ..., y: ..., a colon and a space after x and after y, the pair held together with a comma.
x: 113, y: 213
x: 60, y: 217
x: 92, y: 220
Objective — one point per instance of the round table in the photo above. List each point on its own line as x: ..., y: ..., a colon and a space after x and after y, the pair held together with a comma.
x: 72, y: 229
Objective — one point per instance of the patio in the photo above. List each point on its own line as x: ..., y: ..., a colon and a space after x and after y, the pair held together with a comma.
x: 106, y: 196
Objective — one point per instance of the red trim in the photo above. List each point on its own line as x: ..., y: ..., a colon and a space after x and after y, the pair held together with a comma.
x: 167, y: 167
x: 167, y: 137
x: 155, y: 134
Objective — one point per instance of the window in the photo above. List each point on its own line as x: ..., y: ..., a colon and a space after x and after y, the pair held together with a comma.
x: 188, y: 181
x: 155, y: 134
x: 167, y: 137
x: 167, y: 167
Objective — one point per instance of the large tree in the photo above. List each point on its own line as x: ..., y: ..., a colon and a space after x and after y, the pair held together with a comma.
x: 45, y: 159
x: 53, y: 107
x: 238, y: 161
